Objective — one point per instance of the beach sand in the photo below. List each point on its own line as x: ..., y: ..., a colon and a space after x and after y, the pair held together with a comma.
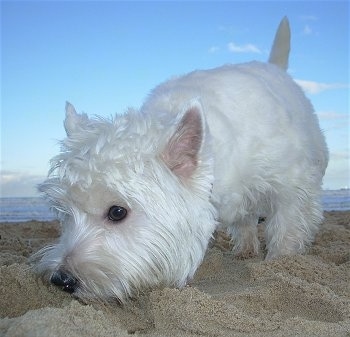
x: 303, y: 295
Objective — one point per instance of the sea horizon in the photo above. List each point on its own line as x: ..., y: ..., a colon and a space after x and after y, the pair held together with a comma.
x: 21, y: 209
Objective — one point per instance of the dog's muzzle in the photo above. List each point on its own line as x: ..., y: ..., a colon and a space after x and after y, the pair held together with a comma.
x: 64, y: 280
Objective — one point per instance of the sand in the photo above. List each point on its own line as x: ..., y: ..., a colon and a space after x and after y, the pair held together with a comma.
x: 304, y: 295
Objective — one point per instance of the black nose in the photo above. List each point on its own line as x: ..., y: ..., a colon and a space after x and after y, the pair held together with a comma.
x: 64, y: 280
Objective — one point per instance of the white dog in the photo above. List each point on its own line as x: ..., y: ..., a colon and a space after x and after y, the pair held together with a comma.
x: 139, y: 196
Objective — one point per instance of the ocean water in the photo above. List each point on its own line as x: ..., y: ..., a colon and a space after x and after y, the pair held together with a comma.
x: 338, y: 200
x: 26, y: 209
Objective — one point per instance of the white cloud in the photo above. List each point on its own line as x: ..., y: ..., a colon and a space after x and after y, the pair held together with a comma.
x: 331, y: 115
x: 19, y: 184
x: 307, y: 30
x: 312, y: 87
x: 246, y: 48
x: 309, y: 17
x: 214, y: 49
x: 339, y: 155
x: 338, y: 171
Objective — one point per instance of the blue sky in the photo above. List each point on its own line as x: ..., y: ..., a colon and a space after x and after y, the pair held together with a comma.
x: 106, y: 56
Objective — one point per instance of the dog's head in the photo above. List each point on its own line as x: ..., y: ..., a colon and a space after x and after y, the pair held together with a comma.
x: 133, y: 197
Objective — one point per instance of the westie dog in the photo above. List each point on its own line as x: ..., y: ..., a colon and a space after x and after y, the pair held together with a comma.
x: 139, y: 196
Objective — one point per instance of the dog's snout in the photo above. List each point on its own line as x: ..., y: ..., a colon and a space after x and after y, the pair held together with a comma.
x: 64, y: 280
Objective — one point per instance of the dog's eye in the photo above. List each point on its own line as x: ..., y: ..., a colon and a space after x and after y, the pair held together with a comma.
x: 117, y: 213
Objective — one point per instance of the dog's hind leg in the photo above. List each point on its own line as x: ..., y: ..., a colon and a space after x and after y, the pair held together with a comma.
x: 293, y: 222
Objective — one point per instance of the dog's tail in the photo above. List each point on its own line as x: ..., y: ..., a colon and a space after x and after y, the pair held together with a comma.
x: 281, y: 45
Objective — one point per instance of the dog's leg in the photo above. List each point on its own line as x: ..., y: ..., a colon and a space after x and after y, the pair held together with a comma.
x: 244, y: 235
x: 294, y: 222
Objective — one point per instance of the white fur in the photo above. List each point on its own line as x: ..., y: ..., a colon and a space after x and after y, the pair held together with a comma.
x: 281, y: 45
x: 215, y: 147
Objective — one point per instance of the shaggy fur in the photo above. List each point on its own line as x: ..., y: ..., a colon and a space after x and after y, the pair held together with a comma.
x: 219, y: 147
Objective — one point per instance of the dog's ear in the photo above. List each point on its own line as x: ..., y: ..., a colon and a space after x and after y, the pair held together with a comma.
x: 74, y: 120
x: 183, y: 148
